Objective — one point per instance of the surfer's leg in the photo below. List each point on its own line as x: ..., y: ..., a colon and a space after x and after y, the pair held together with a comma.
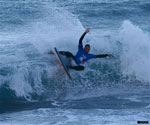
x: 78, y: 68
x: 68, y: 54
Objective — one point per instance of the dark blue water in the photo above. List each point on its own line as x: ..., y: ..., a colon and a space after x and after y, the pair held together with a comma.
x: 32, y: 84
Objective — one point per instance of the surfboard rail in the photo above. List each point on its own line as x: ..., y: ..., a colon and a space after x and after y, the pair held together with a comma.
x: 62, y: 63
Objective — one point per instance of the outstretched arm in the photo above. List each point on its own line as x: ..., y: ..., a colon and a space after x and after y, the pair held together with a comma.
x: 103, y: 55
x: 91, y: 56
x: 82, y: 37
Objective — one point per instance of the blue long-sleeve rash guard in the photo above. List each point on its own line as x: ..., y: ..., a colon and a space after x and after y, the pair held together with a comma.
x: 81, y: 55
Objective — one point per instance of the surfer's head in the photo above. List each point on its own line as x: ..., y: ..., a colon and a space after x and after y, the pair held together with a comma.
x: 87, y: 48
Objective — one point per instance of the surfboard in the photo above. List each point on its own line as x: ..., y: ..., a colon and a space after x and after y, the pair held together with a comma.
x: 62, y: 63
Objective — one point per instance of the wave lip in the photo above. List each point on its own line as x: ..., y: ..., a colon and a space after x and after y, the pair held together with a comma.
x: 135, y: 54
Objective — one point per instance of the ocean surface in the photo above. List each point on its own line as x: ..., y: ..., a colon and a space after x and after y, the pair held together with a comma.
x: 34, y: 90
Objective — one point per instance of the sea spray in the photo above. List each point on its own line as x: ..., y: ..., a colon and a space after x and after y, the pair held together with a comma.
x: 135, y: 54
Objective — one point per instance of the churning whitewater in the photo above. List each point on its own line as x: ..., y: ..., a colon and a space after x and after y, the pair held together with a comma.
x: 35, y: 90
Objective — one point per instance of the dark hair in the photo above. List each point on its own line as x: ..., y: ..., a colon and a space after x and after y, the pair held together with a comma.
x: 87, y: 45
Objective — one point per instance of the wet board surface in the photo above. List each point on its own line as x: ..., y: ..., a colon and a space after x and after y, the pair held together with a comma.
x: 62, y: 62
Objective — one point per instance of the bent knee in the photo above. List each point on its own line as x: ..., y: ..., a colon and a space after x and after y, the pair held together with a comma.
x: 81, y: 67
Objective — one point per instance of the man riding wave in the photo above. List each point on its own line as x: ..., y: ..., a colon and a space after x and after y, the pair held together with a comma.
x: 82, y: 55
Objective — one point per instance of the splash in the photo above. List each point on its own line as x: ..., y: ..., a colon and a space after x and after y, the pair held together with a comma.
x: 135, y: 54
x: 59, y: 28
x: 26, y: 67
x: 30, y: 72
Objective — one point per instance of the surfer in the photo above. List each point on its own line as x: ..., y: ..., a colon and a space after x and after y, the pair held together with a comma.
x: 82, y: 55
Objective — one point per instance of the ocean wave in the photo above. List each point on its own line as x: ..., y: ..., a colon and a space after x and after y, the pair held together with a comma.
x: 28, y: 72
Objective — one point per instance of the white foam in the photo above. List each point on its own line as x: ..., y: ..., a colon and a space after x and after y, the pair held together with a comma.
x: 59, y: 28
x: 135, y: 55
x: 75, y: 116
